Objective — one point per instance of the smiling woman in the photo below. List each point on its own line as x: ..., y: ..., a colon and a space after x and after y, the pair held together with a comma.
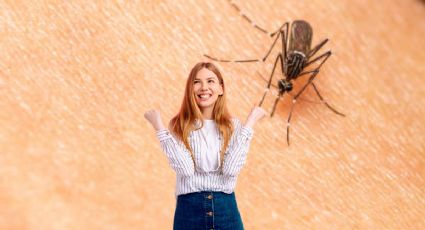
x: 207, y: 149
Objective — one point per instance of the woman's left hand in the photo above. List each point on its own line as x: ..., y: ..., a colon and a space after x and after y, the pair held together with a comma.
x: 255, y: 115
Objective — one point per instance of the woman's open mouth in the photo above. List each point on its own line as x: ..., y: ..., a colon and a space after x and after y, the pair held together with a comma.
x: 204, y: 96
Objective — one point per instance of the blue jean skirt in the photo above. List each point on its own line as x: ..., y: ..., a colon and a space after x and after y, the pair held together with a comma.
x: 207, y: 210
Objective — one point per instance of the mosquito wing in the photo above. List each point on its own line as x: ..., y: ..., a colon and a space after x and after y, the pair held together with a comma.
x: 301, y: 36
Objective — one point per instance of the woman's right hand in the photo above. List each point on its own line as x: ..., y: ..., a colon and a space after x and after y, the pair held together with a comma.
x: 154, y: 118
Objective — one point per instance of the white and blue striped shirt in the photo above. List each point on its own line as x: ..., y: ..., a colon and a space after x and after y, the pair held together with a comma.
x: 190, y: 179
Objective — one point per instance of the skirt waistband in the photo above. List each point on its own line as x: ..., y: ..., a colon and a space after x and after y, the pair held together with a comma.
x: 204, y: 194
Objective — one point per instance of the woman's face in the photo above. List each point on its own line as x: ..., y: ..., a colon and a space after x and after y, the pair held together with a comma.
x: 207, y: 88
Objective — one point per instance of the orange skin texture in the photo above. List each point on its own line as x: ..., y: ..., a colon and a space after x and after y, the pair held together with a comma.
x: 76, y: 78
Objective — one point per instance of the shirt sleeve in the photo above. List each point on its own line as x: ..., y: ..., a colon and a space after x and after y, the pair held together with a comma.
x: 178, y: 155
x: 237, y: 151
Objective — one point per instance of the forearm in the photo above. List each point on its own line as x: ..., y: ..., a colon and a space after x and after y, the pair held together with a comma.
x: 178, y: 157
x: 236, y: 154
x: 249, y: 123
x: 158, y: 126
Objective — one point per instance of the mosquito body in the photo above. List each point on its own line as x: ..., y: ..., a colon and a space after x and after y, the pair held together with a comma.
x: 295, y: 56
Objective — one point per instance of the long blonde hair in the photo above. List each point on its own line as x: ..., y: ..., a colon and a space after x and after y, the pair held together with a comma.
x: 185, y: 121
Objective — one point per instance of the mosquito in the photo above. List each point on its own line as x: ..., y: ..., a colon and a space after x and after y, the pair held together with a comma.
x: 295, y: 56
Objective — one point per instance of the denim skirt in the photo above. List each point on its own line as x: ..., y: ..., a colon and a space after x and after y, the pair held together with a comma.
x: 207, y: 210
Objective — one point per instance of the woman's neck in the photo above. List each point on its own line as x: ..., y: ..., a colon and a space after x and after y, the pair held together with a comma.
x: 207, y: 114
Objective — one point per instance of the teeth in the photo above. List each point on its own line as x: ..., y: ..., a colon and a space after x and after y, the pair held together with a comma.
x: 204, y: 96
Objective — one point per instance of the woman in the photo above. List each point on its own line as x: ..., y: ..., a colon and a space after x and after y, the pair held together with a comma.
x: 207, y: 149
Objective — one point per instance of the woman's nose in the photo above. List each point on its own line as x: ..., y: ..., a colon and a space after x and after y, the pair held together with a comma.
x: 204, y: 86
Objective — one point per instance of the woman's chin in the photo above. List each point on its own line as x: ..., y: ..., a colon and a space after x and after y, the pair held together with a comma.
x: 205, y: 104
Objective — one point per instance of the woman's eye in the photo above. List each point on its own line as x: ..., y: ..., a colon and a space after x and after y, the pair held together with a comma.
x: 211, y: 81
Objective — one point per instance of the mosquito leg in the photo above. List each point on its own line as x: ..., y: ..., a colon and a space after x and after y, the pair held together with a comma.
x: 284, y: 37
x: 280, y: 29
x: 305, y: 73
x: 313, y: 75
x: 303, y: 99
x: 317, y: 48
x: 294, y: 100
x: 279, y: 57
x: 224, y: 60
x: 247, y: 18
x: 290, y: 94
x: 270, y: 50
x: 321, y: 99
x: 325, y: 56
x: 288, y: 123
x: 262, y: 77
x: 285, y: 42
x: 249, y: 60
x: 275, y: 104
x: 281, y: 33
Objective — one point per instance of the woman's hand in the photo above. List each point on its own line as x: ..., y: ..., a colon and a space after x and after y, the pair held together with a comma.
x: 154, y: 118
x: 256, y: 114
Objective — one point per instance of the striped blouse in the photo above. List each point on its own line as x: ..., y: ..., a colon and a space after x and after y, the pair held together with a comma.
x: 189, y: 179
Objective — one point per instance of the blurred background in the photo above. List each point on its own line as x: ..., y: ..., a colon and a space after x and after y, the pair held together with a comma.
x: 77, y: 76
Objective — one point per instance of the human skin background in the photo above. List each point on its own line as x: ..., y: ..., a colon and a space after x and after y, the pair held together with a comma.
x: 77, y: 76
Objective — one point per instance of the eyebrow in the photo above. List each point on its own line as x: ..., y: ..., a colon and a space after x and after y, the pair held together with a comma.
x: 207, y: 78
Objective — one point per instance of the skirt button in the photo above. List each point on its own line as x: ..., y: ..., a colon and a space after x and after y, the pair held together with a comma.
x: 209, y: 213
x: 209, y: 197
